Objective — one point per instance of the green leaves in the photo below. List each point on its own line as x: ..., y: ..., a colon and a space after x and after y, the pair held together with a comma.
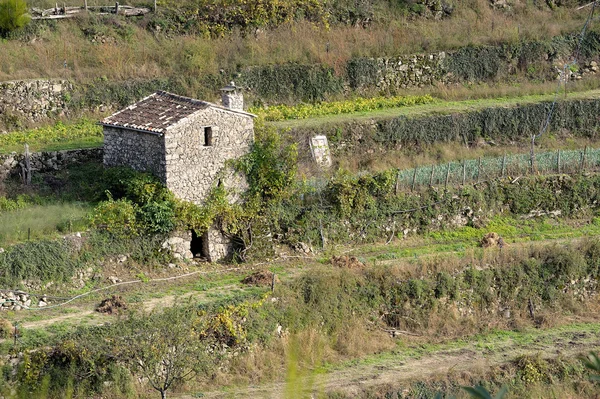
x: 592, y: 363
x: 118, y: 218
x: 271, y: 165
x: 13, y: 15
x: 480, y: 392
x: 302, y: 111
x: 164, y: 348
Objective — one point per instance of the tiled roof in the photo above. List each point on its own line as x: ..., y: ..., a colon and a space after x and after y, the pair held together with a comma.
x: 156, y: 112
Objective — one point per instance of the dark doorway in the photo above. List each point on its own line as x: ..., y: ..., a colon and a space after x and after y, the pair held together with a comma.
x: 199, y: 245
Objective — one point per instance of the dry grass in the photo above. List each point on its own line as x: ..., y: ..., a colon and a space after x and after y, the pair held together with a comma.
x: 442, y: 153
x: 142, y: 54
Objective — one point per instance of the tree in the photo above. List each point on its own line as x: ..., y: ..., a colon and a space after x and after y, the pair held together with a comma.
x: 164, y: 348
x: 13, y: 15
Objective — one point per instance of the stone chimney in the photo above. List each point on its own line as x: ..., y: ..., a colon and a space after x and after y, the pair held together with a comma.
x: 232, y: 97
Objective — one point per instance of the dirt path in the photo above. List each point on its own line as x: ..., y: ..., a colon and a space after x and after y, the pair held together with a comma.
x: 147, y: 305
x: 79, y: 312
x: 395, y: 371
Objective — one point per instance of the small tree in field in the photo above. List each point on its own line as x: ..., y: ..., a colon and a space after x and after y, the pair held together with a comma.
x: 164, y: 348
x: 13, y: 15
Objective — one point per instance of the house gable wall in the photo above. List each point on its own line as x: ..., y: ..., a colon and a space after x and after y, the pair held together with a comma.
x: 192, y: 167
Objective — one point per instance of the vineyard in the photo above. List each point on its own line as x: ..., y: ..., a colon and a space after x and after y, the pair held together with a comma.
x: 83, y: 133
x: 304, y: 111
x: 483, y: 169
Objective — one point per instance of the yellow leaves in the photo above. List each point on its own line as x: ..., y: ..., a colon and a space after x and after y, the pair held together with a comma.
x: 58, y: 133
x: 227, y: 326
x: 303, y: 111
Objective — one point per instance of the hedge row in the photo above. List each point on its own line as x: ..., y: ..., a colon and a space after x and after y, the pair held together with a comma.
x: 500, y: 124
x: 354, y: 209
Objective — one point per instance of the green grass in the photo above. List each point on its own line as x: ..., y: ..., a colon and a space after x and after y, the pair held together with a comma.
x: 517, y: 230
x: 458, y: 241
x: 436, y: 108
x: 84, y: 133
x: 43, y: 221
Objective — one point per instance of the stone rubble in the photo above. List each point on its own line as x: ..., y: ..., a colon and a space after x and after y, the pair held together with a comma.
x: 19, y: 300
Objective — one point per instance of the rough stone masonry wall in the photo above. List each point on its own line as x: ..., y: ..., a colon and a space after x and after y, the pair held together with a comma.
x: 46, y: 161
x: 193, y: 168
x: 32, y: 100
x: 141, y: 151
x: 393, y: 73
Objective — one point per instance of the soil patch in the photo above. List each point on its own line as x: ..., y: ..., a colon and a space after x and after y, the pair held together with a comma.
x: 112, y: 305
x: 492, y: 240
x: 347, y: 262
x: 259, y: 278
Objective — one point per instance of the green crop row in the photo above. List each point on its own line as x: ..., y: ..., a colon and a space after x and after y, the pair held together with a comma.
x: 81, y: 132
x: 303, y: 111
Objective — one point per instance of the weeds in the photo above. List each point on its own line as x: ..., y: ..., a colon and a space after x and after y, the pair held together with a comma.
x: 39, y: 221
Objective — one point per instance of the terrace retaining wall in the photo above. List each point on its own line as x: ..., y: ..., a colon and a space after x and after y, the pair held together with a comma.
x: 46, y: 161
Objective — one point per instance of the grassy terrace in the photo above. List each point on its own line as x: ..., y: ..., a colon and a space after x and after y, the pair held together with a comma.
x: 456, y: 247
x: 85, y: 133
x: 142, y: 52
x: 436, y: 108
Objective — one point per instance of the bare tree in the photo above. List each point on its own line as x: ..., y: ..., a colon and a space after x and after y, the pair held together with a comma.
x: 164, y: 348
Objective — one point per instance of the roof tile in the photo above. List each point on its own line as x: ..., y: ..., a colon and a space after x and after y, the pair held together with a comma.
x: 156, y: 112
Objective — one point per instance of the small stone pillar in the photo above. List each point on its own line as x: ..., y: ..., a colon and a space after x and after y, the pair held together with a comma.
x: 232, y: 97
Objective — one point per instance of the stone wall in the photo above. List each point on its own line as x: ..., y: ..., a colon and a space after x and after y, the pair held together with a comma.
x: 193, y: 166
x: 10, y: 164
x: 141, y: 151
x: 213, y: 245
x: 32, y: 100
x: 393, y: 73
x: 217, y: 245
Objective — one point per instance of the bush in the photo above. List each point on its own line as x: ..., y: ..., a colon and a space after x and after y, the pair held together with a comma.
x: 117, y: 217
x: 37, y: 260
x: 14, y: 14
x: 6, y: 329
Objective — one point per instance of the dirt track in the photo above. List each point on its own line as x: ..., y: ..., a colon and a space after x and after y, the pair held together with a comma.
x: 395, y: 371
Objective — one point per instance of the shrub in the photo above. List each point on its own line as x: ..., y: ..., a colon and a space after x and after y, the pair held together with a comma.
x: 6, y: 329
x: 158, y: 217
x: 37, y: 260
x: 117, y: 217
x: 271, y: 165
x: 13, y: 15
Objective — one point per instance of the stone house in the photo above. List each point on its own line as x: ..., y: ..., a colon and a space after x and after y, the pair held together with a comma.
x: 186, y: 144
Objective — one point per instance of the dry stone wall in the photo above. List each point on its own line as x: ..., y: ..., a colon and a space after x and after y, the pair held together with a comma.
x: 32, y: 100
x: 193, y: 165
x: 141, y: 151
x: 393, y: 73
x: 10, y: 164
x: 18, y: 300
